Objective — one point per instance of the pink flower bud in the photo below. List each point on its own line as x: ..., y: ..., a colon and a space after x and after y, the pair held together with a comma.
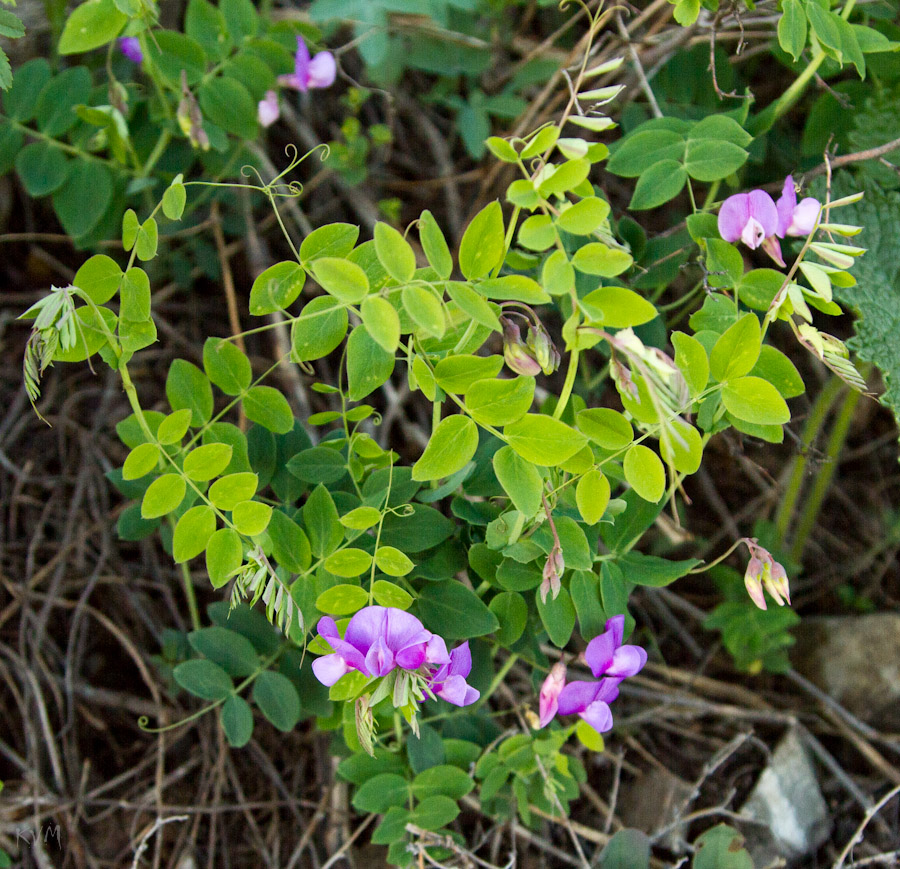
x: 776, y: 583
x: 553, y: 569
x: 548, y: 701
x: 755, y: 570
x: 516, y: 353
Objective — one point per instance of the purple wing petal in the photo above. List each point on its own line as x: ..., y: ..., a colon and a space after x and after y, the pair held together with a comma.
x: 456, y: 691
x: 461, y: 660
x: 130, y: 46
x: 577, y: 696
x: 322, y: 70
x: 327, y: 627
x: 608, y: 690
x: 436, y: 652
x: 785, y: 206
x: 627, y: 661
x: 301, y: 64
x: 329, y: 668
x: 733, y: 216
x: 598, y: 715
x: 600, y: 651
x: 412, y: 657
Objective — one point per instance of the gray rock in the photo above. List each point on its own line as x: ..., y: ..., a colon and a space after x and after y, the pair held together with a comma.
x: 856, y: 660
x: 791, y: 814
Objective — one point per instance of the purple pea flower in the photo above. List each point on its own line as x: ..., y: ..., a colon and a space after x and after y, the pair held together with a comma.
x: 590, y: 701
x: 751, y: 217
x: 130, y: 46
x: 794, y: 218
x: 319, y: 72
x: 606, y: 656
x: 449, y: 680
x: 377, y: 640
x: 548, y: 700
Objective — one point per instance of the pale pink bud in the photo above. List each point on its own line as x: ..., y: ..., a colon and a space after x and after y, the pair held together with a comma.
x: 755, y: 570
x: 548, y: 701
x: 553, y: 569
x: 776, y: 583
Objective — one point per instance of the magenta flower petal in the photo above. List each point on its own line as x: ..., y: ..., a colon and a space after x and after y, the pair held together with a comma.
x: 785, y: 206
x: 322, y: 70
x: 617, y: 625
x: 599, y: 653
x: 599, y: 716
x: 733, y: 216
x: 329, y: 668
x: 627, y: 661
x: 366, y: 627
x: 805, y: 217
x: 327, y: 627
x: 379, y: 658
x: 608, y: 690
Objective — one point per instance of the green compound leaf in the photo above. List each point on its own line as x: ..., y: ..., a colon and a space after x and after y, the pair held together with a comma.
x: 435, y: 245
x: 147, y: 240
x: 381, y: 792
x: 442, y: 780
x: 455, y: 611
x: 334, y: 240
x: 393, y: 562
x: 174, y: 427
x: 434, y: 812
x: 268, y: 407
x: 224, y: 555
x: 452, y: 444
x: 342, y: 600
x: 84, y: 197
x: 140, y: 461
x: 320, y: 328
x: 232, y: 651
x: 174, y: 199
x: 394, y: 253
x: 369, y: 365
x: 380, y: 317
x: 692, y: 361
x: 483, y: 243
x: 388, y: 594
x: 755, y: 400
x: 276, y: 288
x: 42, y: 168
x: 91, y: 25
x: 660, y: 183
x: 204, y: 463
x: 512, y: 613
x: 720, y: 848
x: 457, y: 373
x: 228, y: 104
x: 237, y: 721
x: 163, y: 495
x: 226, y: 366
x: 277, y: 699
x: 543, y: 440
x: 192, y: 533
x: 736, y: 351
x: 520, y: 479
x: 645, y: 472
x: 203, y: 679
x: 425, y: 310
x: 341, y: 278
x: 187, y: 387
x: 557, y: 616
x: 251, y: 517
x: 500, y: 402
x: 347, y: 563
x: 592, y: 496
x: 618, y: 308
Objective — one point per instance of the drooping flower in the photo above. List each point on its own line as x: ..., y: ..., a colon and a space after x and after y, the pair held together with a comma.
x: 541, y: 345
x: 318, y: 72
x: 268, y: 110
x: 130, y: 46
x: 516, y: 352
x: 751, y: 217
x: 449, y: 681
x: 590, y: 701
x: 606, y: 656
x: 795, y: 218
x: 548, y: 699
x: 189, y: 117
x: 764, y: 571
x: 377, y: 640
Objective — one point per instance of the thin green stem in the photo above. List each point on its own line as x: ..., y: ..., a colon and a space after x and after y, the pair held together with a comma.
x: 189, y: 590
x: 567, y: 386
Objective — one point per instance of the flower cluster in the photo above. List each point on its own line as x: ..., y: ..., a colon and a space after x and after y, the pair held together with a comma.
x: 535, y: 354
x: 379, y: 640
x: 764, y: 571
x: 758, y: 221
x: 610, y: 662
x: 315, y: 72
